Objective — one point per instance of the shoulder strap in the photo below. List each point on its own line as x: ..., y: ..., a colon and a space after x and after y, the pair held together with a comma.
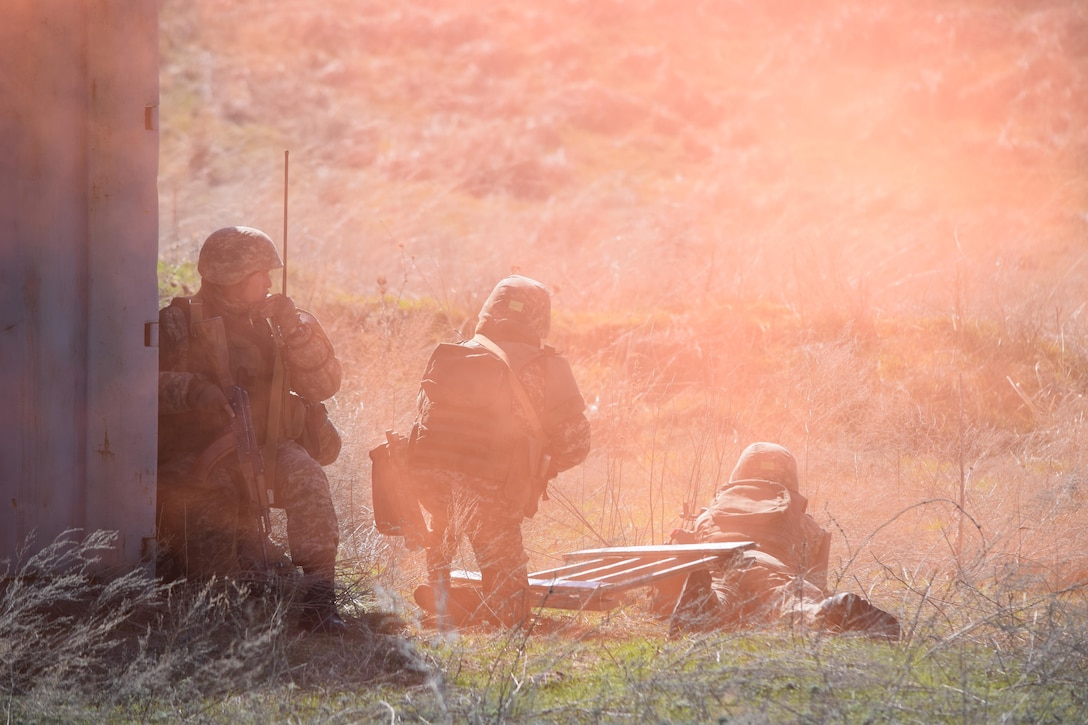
x: 191, y: 307
x: 515, y: 384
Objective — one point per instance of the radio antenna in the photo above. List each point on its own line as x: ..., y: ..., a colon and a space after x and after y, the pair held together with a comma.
x: 283, y: 285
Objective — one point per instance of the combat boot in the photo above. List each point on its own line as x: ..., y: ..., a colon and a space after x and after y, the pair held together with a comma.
x: 506, y: 596
x: 847, y: 612
x: 319, y: 613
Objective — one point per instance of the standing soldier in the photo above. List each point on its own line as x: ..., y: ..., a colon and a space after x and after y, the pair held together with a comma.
x: 241, y: 425
x: 499, y: 416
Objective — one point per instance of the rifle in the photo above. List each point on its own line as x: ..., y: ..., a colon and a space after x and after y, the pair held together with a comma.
x: 213, y: 338
x: 251, y: 460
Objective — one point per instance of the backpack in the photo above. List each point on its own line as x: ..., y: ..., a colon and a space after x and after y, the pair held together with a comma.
x: 466, y: 417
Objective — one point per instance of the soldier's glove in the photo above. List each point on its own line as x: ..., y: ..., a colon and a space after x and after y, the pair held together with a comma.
x: 682, y: 536
x: 282, y: 311
x: 206, y: 395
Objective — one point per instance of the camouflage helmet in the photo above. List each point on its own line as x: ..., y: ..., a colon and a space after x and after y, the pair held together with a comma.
x: 518, y: 301
x: 231, y: 254
x: 769, y: 462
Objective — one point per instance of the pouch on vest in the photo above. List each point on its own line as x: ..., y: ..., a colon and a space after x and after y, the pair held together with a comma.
x: 319, y: 436
x: 531, y: 484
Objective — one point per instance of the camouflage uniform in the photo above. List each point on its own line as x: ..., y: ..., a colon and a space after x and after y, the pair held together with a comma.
x: 488, y: 510
x: 785, y: 575
x: 205, y: 519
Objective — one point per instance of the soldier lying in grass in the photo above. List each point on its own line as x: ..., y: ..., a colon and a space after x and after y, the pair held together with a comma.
x: 784, y: 576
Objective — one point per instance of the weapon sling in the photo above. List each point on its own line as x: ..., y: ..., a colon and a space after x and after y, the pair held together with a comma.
x: 519, y: 393
x: 515, y: 384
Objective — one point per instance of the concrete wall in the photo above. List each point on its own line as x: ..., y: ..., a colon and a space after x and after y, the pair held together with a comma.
x: 78, y: 253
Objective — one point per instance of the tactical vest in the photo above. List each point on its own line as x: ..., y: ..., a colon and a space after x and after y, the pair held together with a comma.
x: 252, y: 355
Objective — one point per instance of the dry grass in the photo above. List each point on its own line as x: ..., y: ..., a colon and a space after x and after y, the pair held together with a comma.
x: 79, y: 644
x: 854, y: 228
x: 133, y: 650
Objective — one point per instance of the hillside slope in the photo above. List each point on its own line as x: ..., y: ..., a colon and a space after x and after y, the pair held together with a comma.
x: 856, y: 228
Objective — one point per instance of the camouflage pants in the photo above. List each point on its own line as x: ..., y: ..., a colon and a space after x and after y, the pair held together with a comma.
x: 763, y: 590
x: 461, y: 506
x: 209, y: 527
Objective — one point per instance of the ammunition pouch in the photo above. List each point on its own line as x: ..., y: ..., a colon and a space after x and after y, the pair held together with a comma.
x: 528, y: 481
x: 319, y: 436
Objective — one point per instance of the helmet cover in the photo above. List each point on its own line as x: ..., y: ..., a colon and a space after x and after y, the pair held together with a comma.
x: 520, y: 301
x: 768, y: 462
x: 231, y: 254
